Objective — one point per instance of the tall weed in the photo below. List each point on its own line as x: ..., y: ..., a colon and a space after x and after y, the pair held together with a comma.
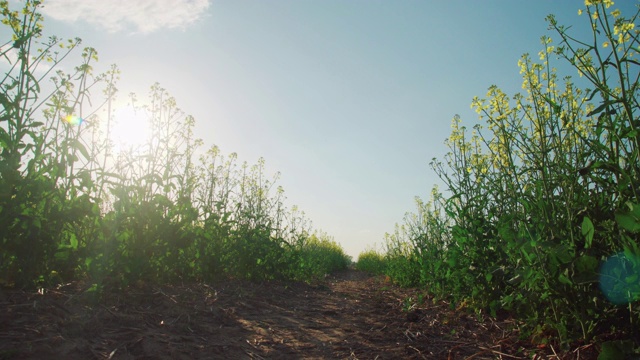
x: 73, y: 205
x: 544, y: 191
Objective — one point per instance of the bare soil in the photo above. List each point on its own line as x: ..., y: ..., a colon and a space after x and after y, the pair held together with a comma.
x: 350, y: 315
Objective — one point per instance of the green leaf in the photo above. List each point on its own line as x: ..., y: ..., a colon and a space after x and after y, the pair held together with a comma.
x: 629, y: 220
x: 564, y: 279
x: 563, y: 254
x: 35, y: 82
x: 80, y: 147
x: 74, y: 242
x: 614, y: 350
x: 587, y: 231
x: 557, y: 109
x: 110, y: 174
x: 610, y: 352
x: 5, y: 102
x: 152, y: 178
x: 62, y: 255
x: 452, y: 261
x: 593, y: 93
x: 586, y: 264
x: 5, y: 138
x: 505, y: 232
x: 162, y: 200
x: 632, y: 279
x: 600, y: 108
x: 597, y: 110
x: 631, y: 134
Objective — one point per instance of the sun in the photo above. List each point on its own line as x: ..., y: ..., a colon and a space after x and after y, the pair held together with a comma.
x: 131, y: 128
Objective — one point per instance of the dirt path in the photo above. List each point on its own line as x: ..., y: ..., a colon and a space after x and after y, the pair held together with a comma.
x: 349, y: 316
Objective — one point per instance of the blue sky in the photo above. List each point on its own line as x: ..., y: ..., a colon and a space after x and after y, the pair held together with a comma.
x: 349, y: 100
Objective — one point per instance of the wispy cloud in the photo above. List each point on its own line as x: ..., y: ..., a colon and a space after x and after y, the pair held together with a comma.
x: 143, y: 16
x: 8, y: 55
x: 9, y: 59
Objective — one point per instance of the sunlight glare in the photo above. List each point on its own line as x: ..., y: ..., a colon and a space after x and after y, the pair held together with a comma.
x: 131, y: 128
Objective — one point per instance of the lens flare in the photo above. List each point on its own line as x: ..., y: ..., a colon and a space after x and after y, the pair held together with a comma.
x: 620, y: 278
x: 73, y: 120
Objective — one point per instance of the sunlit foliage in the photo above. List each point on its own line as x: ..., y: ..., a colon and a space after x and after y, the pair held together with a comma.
x: 74, y: 207
x: 372, y: 262
x: 544, y: 190
x: 320, y: 255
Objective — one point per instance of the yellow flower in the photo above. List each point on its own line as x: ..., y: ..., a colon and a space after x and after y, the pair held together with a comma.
x: 615, y: 13
x: 622, y: 31
x: 605, y: 44
x: 542, y: 55
x: 579, y: 11
x: 623, y: 27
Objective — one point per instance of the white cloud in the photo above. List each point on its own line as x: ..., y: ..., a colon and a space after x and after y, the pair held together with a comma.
x: 143, y: 16
x: 9, y: 56
x: 9, y: 59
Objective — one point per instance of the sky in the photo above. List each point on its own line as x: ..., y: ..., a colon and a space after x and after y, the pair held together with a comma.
x: 348, y: 100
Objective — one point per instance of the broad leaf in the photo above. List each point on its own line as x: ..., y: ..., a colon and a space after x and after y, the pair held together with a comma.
x: 587, y: 231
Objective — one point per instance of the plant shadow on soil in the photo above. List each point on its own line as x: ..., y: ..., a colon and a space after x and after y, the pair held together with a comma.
x: 349, y: 315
